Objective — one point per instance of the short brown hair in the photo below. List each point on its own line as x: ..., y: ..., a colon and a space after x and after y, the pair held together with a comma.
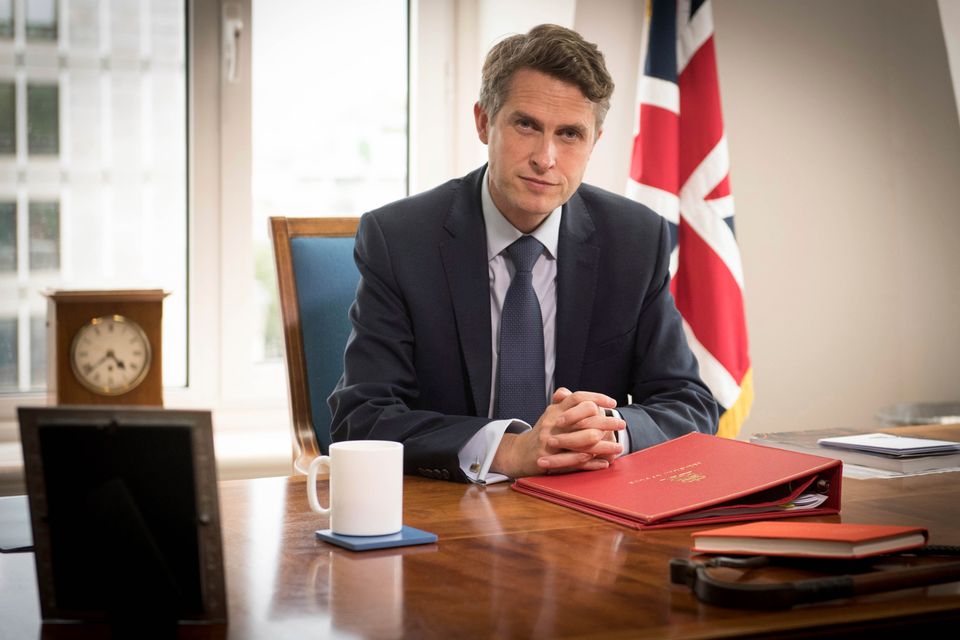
x: 551, y: 49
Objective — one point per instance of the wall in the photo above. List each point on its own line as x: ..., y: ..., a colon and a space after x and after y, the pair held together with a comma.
x: 845, y: 155
x: 845, y: 150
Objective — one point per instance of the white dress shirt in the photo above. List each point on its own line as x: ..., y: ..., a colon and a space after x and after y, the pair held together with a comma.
x: 477, y: 455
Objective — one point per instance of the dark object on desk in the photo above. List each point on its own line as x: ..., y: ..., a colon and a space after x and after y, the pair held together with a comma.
x: 15, y: 525
x: 125, y: 515
x: 807, y: 442
x: 697, y: 479
x: 407, y: 536
x: 783, y: 595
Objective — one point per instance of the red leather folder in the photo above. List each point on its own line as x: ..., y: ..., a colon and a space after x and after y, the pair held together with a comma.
x: 697, y: 479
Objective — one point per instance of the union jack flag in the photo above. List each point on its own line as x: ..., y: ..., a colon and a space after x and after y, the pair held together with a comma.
x: 680, y: 168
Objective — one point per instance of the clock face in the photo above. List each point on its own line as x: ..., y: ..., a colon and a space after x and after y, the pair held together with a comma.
x: 110, y: 355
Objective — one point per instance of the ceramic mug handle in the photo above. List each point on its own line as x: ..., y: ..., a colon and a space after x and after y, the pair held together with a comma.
x: 318, y: 462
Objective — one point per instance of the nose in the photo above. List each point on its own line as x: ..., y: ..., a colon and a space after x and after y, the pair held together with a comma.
x: 543, y: 157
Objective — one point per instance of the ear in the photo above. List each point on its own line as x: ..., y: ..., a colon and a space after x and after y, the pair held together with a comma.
x: 482, y: 121
x: 597, y: 138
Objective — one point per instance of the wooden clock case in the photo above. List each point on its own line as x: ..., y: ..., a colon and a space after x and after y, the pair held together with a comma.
x: 68, y: 311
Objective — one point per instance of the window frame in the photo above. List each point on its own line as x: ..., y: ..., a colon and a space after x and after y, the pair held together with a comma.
x: 10, y: 401
x: 219, y: 247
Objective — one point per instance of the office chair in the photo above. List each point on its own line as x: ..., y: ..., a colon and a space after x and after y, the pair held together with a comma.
x: 317, y: 281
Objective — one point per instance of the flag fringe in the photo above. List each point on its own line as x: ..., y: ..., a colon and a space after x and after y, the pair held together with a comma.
x: 734, y: 417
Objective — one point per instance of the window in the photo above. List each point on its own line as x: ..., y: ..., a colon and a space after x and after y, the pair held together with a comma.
x: 41, y: 19
x: 8, y: 353
x: 328, y: 139
x: 44, y: 236
x: 8, y: 237
x: 93, y: 167
x: 38, y: 351
x: 43, y: 119
x: 8, y: 118
x: 6, y: 19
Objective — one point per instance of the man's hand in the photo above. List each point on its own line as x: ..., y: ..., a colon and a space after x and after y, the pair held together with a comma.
x: 572, y: 434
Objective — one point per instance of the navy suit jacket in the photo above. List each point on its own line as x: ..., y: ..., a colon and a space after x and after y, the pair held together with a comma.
x: 417, y: 366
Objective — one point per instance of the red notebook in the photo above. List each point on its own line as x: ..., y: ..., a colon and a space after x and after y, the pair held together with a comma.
x: 697, y: 479
x: 809, y: 539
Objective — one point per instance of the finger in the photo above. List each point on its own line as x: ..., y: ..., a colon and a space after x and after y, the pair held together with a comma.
x: 554, y: 417
x: 609, y: 458
x: 599, y: 399
x: 579, y: 440
x: 587, y: 416
x: 596, y: 464
x: 606, y: 449
x: 563, y: 460
x: 576, y: 413
x: 560, y: 394
x: 602, y: 423
x: 578, y: 464
x: 587, y: 441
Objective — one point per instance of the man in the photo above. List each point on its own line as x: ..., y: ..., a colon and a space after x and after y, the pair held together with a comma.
x: 442, y: 357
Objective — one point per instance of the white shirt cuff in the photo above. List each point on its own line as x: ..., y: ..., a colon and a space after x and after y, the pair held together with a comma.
x: 477, y: 455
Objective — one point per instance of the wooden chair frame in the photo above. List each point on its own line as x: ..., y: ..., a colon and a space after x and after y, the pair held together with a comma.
x: 283, y: 230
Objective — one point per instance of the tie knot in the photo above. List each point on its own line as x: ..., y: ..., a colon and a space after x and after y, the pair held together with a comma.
x: 524, y: 253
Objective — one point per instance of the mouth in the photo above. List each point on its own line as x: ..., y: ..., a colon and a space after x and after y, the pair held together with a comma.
x: 537, y: 183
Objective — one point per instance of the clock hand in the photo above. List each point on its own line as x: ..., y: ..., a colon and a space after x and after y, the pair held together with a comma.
x: 99, y: 362
x: 117, y: 360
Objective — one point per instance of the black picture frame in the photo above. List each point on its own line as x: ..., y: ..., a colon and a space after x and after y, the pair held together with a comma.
x: 125, y: 514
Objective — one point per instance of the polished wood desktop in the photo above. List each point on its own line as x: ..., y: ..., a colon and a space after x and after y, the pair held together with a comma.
x: 507, y: 565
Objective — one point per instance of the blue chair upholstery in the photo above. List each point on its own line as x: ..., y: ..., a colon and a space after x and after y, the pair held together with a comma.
x: 327, y: 278
x: 317, y: 280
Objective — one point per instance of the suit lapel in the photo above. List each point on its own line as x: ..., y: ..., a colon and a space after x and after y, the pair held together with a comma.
x: 578, y: 259
x: 464, y: 255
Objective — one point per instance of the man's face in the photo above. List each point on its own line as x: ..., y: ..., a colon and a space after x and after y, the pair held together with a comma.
x: 538, y: 146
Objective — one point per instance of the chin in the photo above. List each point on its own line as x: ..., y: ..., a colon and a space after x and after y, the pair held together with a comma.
x: 541, y: 208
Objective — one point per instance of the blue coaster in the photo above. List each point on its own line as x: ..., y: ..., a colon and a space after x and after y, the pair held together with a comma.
x: 405, y: 537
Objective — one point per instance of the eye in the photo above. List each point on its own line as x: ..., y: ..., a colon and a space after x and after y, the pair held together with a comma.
x: 524, y: 123
x: 570, y: 135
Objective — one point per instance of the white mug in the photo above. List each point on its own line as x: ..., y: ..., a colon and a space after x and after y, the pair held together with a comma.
x: 366, y: 487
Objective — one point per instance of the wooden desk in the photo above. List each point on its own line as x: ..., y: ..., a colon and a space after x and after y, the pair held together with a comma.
x: 508, y: 565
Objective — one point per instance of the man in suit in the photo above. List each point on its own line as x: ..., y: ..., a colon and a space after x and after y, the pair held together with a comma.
x: 434, y: 351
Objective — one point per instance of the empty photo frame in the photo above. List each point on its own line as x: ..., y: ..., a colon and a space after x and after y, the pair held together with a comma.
x: 124, y: 513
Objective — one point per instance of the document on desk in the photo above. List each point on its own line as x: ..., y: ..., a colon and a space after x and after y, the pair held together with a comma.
x: 893, y: 446
x: 697, y: 479
x: 859, y: 464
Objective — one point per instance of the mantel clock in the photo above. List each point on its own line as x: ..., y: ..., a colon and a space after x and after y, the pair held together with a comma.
x: 104, y: 347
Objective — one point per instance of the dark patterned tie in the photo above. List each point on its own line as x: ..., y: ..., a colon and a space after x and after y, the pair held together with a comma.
x: 521, y: 389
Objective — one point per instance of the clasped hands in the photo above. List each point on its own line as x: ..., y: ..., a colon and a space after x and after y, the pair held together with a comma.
x: 573, y: 434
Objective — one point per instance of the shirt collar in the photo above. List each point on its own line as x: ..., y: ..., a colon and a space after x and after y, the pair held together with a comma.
x: 501, y: 234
